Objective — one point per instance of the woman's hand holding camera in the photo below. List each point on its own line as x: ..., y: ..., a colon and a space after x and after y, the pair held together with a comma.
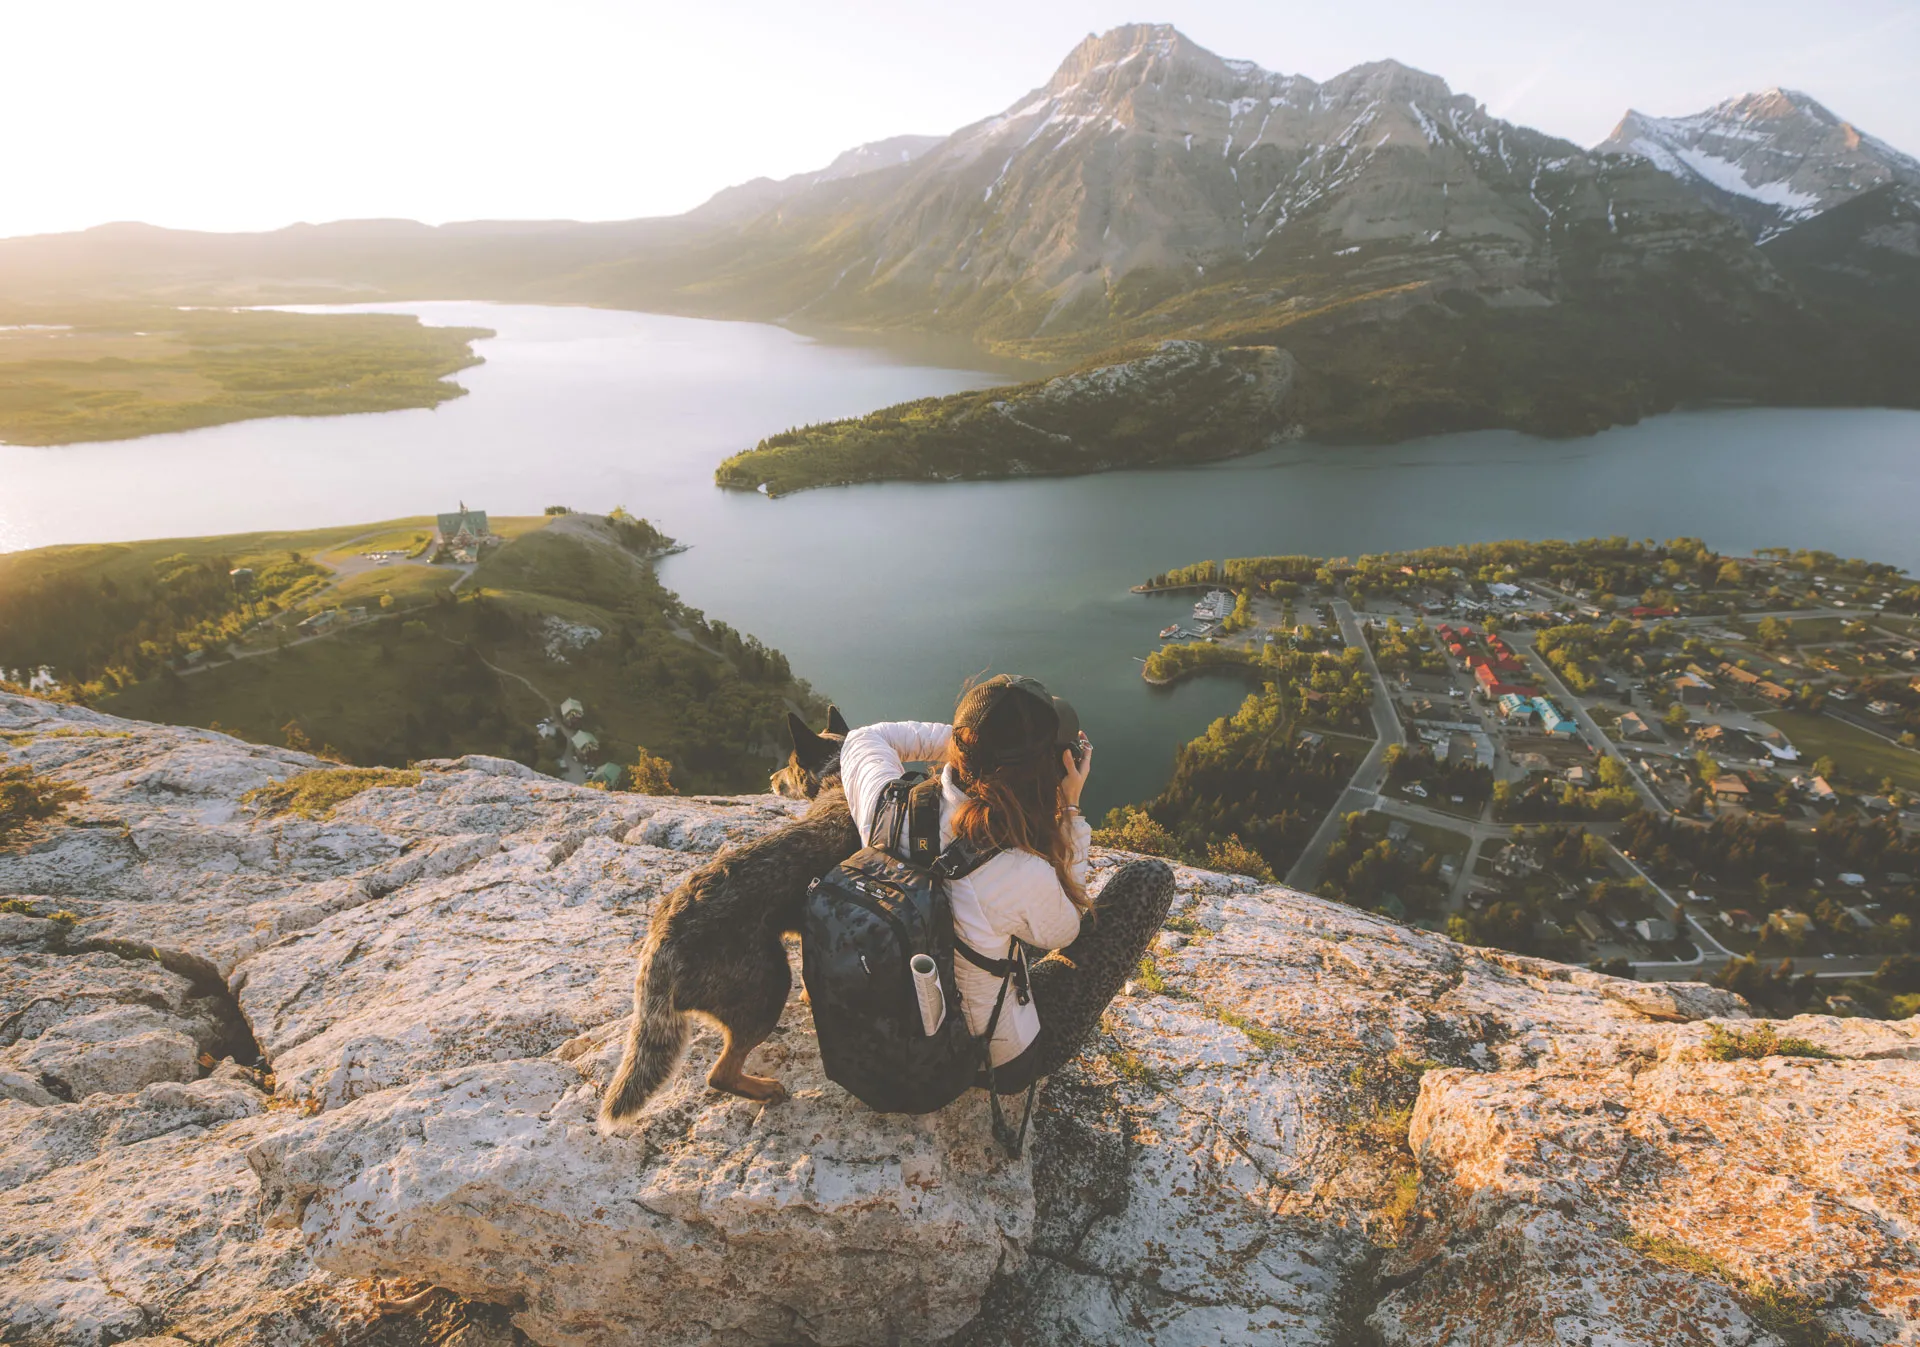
x: 1079, y: 763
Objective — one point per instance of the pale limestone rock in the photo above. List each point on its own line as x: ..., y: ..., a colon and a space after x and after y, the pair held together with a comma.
x: 1797, y: 1173
x: 161, y: 1234
x: 80, y: 1024
x: 720, y: 1221
x: 35, y: 1141
x: 506, y: 959
x: 444, y: 970
x: 1535, y: 1276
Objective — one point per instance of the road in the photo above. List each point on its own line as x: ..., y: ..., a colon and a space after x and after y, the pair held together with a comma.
x: 1588, y: 727
x: 1363, y: 789
x: 1678, y: 914
x: 575, y: 771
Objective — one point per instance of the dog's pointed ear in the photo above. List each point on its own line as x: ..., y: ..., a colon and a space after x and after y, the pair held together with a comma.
x: 798, y: 734
x: 836, y: 723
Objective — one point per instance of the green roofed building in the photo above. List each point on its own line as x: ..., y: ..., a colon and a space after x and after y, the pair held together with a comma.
x: 585, y: 744
x: 608, y: 774
x: 463, y: 527
x: 571, y: 710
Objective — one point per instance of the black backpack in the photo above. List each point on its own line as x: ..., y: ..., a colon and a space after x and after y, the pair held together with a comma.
x: 861, y: 928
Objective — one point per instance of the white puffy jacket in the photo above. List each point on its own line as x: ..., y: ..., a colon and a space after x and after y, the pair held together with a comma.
x: 1014, y: 894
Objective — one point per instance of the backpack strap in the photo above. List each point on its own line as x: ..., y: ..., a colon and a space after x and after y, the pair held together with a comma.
x: 923, y: 823
x: 891, y: 811
x: 1012, y: 1141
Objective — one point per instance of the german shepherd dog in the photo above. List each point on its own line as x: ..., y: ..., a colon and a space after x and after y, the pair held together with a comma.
x: 714, y: 948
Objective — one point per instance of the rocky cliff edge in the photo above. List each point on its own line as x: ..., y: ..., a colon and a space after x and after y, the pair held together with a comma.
x: 263, y: 1075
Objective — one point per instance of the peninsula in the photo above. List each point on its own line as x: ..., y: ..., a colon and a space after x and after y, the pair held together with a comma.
x: 1184, y: 401
x: 77, y: 372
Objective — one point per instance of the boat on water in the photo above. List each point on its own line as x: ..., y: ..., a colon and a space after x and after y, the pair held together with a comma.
x: 1167, y: 632
x: 1218, y: 604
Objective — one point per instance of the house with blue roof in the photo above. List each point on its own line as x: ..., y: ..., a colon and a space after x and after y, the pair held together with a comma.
x: 1518, y: 709
x: 1551, y: 720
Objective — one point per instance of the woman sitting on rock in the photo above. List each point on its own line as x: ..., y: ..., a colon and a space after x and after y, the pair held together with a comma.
x: 1013, y: 764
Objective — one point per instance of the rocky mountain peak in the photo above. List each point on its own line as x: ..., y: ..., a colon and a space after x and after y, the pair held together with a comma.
x: 1770, y: 159
x: 1387, y: 79
x: 1137, y: 45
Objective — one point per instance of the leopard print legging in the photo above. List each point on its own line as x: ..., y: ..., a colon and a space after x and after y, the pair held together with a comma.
x: 1072, y: 986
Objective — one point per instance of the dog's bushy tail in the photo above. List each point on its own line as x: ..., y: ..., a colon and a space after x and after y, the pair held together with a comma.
x: 655, y: 1041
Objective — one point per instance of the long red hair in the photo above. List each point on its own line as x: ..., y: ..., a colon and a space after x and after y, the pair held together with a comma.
x: 1014, y: 805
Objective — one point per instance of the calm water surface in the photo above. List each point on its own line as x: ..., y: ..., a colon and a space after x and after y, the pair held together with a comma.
x: 886, y: 596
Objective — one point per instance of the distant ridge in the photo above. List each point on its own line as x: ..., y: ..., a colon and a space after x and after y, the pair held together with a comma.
x: 760, y: 194
x: 1770, y: 159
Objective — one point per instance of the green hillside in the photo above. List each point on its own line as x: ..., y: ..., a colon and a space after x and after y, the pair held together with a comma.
x: 429, y: 670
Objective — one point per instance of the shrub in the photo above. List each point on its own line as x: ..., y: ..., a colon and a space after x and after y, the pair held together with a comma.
x: 1235, y: 857
x: 1726, y: 1044
x: 1129, y: 828
x: 27, y: 797
x: 317, y: 794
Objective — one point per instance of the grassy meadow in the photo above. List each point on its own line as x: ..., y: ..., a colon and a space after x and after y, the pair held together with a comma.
x: 74, y: 373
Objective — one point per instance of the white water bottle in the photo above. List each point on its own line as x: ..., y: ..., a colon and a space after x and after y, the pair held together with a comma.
x: 933, y: 1000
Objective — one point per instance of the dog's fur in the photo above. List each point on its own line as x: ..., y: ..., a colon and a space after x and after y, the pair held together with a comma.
x: 714, y: 945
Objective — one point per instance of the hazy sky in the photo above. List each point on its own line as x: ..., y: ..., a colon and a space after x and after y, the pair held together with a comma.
x: 214, y: 114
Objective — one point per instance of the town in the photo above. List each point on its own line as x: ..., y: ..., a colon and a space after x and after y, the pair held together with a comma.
x: 1640, y: 757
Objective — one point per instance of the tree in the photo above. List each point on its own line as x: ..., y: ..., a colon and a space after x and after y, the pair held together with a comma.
x: 1613, y: 773
x: 1900, y: 974
x: 1899, y: 931
x: 650, y: 775
x: 1729, y: 575
x: 1677, y: 717
x: 296, y: 738
x: 386, y: 603
x: 1823, y: 766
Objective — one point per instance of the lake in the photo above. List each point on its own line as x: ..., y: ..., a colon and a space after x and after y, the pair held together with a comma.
x: 886, y: 596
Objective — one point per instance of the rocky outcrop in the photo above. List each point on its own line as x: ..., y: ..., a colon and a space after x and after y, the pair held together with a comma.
x: 1301, y: 1124
x: 1790, y: 1181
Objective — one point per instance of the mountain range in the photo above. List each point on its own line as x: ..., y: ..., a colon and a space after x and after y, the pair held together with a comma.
x: 1770, y: 160
x: 1429, y: 265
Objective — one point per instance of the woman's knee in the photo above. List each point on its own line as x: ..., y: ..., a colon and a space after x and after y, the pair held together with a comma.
x: 1143, y: 885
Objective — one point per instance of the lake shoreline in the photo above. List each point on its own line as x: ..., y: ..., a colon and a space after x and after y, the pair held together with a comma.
x: 592, y: 409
